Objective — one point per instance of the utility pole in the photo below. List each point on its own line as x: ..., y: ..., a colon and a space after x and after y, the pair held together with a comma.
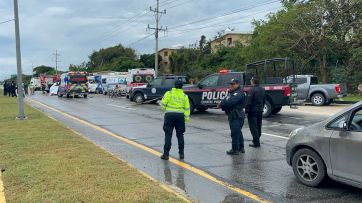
x: 56, y: 61
x: 21, y: 115
x: 158, y: 15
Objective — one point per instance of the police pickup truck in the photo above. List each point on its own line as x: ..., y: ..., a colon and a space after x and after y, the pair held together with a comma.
x: 155, y: 90
x: 214, y: 88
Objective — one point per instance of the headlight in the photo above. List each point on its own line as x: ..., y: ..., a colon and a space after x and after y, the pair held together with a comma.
x: 294, y: 132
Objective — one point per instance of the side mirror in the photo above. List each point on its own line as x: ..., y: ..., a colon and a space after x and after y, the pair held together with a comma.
x: 345, y: 126
x: 149, y: 85
x: 200, y: 86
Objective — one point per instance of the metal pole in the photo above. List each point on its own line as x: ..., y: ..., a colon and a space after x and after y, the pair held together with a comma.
x: 156, y: 36
x: 21, y: 115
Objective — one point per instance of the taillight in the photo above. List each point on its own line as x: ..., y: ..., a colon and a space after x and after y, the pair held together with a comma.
x: 287, y: 91
x: 338, y: 88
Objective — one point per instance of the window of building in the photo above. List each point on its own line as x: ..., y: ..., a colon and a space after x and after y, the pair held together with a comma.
x: 165, y: 53
x: 229, y: 41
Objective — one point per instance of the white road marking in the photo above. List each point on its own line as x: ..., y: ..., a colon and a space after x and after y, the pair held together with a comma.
x: 277, y: 136
x: 122, y: 107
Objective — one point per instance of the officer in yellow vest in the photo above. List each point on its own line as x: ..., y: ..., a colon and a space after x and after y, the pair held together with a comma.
x: 176, y: 104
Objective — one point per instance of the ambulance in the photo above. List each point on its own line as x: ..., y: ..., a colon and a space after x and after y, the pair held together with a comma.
x: 73, y: 84
x: 138, y: 77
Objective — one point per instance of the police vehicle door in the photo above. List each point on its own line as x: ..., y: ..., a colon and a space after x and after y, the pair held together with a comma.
x: 224, y: 84
x: 167, y: 84
x: 154, y: 89
x: 209, y: 94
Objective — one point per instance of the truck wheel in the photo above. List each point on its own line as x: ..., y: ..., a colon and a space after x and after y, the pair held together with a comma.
x: 202, y: 109
x: 318, y: 99
x: 268, y: 109
x: 59, y: 95
x: 192, y: 106
x: 85, y: 96
x: 276, y: 110
x: 139, y: 98
x: 309, y: 167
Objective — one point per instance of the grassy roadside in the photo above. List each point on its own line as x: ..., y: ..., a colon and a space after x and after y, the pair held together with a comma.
x: 46, y: 162
x: 351, y: 98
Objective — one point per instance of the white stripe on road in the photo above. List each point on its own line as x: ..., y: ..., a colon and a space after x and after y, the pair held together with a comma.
x: 277, y: 136
x: 122, y: 107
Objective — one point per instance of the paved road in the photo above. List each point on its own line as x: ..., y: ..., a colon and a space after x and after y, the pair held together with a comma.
x: 262, y: 172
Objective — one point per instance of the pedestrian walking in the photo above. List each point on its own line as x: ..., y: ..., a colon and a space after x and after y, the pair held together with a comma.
x: 176, y: 104
x: 254, y: 109
x: 233, y: 105
x: 31, y: 88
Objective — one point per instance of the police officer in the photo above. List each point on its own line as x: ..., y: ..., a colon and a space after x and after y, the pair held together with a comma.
x: 233, y: 105
x: 254, y: 109
x: 176, y: 104
x: 5, y: 88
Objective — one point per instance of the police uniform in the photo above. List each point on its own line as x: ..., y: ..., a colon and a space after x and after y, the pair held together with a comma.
x: 177, y: 107
x: 254, y: 109
x: 233, y: 106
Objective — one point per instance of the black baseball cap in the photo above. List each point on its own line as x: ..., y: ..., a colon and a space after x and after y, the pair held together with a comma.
x: 179, y: 84
x: 234, y: 81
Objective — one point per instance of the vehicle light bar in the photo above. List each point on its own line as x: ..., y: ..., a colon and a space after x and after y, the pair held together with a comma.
x: 224, y: 71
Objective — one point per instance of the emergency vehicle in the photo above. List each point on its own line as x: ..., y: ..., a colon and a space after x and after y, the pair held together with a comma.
x: 73, y: 84
x: 46, y: 81
x: 138, y: 77
x: 156, y: 88
x: 214, y: 88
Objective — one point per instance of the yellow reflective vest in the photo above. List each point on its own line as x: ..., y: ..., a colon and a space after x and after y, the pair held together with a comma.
x: 176, y: 101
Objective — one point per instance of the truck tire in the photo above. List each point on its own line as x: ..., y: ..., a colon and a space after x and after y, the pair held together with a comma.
x: 318, y: 99
x: 192, y: 106
x: 276, y: 110
x: 202, y: 109
x: 139, y: 98
x: 85, y: 96
x: 59, y: 95
x: 268, y: 109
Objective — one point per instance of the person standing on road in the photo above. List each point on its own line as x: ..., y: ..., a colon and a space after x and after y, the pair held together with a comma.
x: 254, y: 109
x: 233, y: 105
x: 31, y: 88
x: 5, y: 88
x: 13, y: 89
x: 176, y: 104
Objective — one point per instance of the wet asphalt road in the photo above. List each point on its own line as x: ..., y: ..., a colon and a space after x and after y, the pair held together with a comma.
x: 263, y: 172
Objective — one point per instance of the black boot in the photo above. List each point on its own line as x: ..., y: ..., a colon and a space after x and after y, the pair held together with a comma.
x: 254, y: 145
x: 164, y: 157
x: 241, y: 150
x: 182, y: 155
x: 232, y: 152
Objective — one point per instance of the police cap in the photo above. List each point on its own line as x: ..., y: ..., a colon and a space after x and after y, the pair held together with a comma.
x: 179, y: 84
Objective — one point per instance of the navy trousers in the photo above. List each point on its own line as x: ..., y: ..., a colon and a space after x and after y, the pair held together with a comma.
x: 255, y: 122
x: 174, y: 121
x: 237, y: 138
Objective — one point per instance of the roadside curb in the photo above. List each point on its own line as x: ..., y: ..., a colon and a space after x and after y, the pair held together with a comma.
x: 2, y: 190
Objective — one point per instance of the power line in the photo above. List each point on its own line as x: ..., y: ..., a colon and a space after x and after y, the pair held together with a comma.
x: 140, y: 40
x: 226, y: 14
x: 6, y: 21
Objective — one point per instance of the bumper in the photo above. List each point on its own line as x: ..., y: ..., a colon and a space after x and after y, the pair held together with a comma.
x: 341, y: 95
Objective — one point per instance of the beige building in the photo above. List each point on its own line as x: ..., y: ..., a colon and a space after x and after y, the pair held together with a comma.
x: 165, y: 54
x: 229, y: 40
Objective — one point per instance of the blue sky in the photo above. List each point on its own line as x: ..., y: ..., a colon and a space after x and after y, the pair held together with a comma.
x: 77, y: 27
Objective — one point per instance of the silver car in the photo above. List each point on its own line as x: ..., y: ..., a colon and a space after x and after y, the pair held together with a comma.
x: 330, y: 148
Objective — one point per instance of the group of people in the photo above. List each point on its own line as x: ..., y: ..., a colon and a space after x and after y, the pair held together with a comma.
x: 236, y: 105
x: 10, y: 89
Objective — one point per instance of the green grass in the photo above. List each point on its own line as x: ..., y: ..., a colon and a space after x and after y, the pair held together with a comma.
x: 46, y: 162
x: 352, y: 98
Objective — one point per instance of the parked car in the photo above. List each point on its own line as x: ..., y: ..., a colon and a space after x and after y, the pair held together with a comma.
x: 330, y: 148
x: 309, y: 89
x: 156, y: 88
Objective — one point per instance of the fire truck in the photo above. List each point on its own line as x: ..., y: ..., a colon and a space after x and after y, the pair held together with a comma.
x: 46, y: 81
x: 138, y: 77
